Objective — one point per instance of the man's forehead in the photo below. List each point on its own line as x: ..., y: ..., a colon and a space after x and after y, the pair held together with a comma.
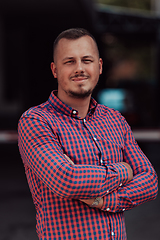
x: 72, y: 45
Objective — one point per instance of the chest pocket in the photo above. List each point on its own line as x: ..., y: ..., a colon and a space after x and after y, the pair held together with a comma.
x: 110, y: 152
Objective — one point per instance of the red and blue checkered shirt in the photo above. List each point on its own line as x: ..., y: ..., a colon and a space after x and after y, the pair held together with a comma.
x: 96, y: 145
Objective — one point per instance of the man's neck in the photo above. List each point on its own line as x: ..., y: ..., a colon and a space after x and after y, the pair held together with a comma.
x: 79, y: 104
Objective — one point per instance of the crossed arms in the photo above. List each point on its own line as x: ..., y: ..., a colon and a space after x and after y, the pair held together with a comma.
x: 100, y: 202
x: 121, y: 185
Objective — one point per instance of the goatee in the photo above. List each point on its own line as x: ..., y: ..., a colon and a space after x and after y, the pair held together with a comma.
x: 84, y: 94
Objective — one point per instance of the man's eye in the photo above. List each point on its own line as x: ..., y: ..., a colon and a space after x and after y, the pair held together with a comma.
x: 87, y: 60
x: 69, y: 61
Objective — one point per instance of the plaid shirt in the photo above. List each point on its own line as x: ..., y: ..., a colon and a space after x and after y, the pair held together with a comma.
x: 97, y: 145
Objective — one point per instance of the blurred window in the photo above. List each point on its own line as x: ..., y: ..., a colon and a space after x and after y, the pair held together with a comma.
x: 130, y: 83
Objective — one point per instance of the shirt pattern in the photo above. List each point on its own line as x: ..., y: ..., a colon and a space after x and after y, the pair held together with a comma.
x: 97, y: 145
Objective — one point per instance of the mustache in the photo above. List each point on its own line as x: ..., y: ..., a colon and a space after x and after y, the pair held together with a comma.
x: 79, y: 75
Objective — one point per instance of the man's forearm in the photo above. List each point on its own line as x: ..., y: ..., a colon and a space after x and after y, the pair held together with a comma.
x: 91, y: 201
x: 101, y: 201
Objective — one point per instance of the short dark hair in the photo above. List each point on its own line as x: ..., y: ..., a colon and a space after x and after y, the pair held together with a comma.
x: 73, y: 33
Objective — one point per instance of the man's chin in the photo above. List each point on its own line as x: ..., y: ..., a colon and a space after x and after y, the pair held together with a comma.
x: 82, y: 94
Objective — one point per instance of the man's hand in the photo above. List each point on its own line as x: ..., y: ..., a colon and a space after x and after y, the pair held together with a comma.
x: 91, y: 200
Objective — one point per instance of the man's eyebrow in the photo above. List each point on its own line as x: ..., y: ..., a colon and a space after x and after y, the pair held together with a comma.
x: 88, y: 56
x: 83, y: 57
x: 67, y: 58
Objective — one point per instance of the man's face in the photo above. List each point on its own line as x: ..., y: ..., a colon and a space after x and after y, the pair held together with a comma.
x: 77, y: 67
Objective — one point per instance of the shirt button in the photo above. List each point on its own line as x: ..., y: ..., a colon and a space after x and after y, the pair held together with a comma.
x: 107, y: 191
x: 84, y: 120
x: 95, y: 139
x: 120, y: 184
x: 108, y: 209
x: 101, y: 161
x: 112, y: 233
x: 123, y: 209
x: 74, y: 112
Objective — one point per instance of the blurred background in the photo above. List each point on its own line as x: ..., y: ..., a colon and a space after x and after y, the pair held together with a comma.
x: 128, y: 35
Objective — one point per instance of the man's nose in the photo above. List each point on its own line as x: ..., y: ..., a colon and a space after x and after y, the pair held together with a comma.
x: 79, y: 67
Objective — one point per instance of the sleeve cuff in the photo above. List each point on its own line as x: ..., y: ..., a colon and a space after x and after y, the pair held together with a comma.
x: 110, y: 202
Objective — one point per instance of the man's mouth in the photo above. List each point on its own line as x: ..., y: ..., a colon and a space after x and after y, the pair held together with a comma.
x: 79, y: 78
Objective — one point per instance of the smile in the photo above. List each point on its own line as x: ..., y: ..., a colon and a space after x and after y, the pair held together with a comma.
x: 80, y: 78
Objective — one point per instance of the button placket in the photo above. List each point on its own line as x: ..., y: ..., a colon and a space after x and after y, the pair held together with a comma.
x: 94, y: 138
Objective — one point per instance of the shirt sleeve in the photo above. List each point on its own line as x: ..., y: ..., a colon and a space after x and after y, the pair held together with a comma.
x: 41, y: 151
x: 144, y: 185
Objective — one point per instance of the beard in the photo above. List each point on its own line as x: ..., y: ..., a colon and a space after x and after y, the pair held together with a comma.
x: 81, y: 94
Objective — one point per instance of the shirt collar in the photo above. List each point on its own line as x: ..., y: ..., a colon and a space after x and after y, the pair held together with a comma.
x: 63, y: 108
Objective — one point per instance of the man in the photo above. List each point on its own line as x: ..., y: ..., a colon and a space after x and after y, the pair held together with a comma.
x: 83, y: 166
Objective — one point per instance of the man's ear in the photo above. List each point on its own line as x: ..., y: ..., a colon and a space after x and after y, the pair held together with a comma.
x: 54, y: 69
x: 100, y: 65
